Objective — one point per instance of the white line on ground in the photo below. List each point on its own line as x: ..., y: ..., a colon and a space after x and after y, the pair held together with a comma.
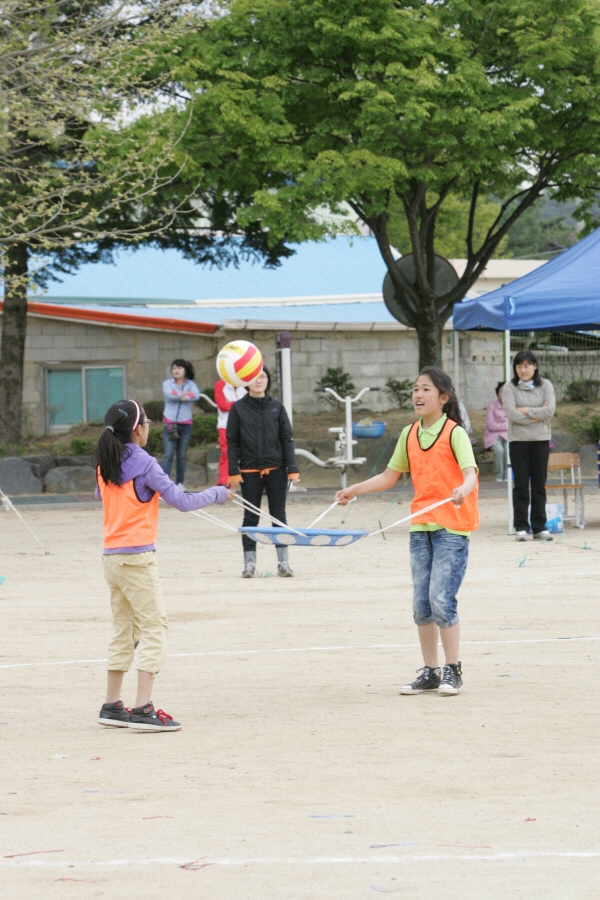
x: 308, y: 860
x: 242, y: 652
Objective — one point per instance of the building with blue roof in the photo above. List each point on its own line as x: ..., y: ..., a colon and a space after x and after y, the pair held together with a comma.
x: 111, y: 330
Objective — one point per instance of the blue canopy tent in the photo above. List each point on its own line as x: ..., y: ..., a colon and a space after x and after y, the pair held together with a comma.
x: 562, y: 295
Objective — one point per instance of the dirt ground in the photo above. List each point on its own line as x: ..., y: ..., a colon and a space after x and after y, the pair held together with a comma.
x: 300, y: 772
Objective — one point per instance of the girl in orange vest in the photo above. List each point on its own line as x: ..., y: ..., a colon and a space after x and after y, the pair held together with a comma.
x: 129, y: 485
x: 437, y: 452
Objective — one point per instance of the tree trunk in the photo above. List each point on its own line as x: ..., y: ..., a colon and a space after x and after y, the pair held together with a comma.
x: 429, y: 332
x: 12, y: 348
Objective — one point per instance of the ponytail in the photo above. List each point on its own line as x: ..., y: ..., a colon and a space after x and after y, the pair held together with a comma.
x: 444, y: 385
x: 119, y: 423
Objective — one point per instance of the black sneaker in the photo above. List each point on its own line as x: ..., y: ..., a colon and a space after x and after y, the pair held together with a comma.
x: 428, y: 680
x: 146, y: 718
x: 114, y: 714
x: 451, y: 679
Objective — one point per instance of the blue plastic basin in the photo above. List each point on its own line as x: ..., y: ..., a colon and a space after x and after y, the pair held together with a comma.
x: 368, y: 431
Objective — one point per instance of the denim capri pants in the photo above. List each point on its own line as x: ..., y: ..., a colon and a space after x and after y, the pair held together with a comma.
x: 438, y: 561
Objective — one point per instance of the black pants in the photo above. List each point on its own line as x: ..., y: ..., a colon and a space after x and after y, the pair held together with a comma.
x: 529, y: 460
x: 275, y: 484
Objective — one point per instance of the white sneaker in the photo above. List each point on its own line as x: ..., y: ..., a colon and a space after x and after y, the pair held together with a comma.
x: 180, y: 486
x: 521, y: 536
x: 542, y: 536
x: 500, y: 480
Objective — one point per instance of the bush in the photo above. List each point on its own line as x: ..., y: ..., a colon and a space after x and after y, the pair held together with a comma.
x: 584, y: 390
x: 82, y: 446
x: 339, y: 381
x: 400, y: 392
x: 154, y: 445
x: 204, y: 430
x: 584, y: 428
x: 154, y: 409
x: 203, y: 404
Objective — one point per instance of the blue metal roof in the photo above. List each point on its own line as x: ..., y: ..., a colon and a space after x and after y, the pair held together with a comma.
x: 337, y: 266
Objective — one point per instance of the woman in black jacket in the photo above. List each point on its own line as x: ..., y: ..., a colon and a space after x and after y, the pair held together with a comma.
x: 260, y: 447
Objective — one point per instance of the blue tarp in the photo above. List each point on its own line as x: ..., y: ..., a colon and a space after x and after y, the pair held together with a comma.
x: 562, y: 295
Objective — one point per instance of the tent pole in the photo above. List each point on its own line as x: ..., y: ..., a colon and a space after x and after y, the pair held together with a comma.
x: 509, y: 480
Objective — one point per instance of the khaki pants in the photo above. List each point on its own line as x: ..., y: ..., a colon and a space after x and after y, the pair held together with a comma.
x: 138, y: 612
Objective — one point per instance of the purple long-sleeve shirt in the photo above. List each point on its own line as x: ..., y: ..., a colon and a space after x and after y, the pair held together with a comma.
x: 149, y: 479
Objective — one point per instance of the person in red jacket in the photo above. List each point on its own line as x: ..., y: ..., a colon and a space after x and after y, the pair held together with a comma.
x: 225, y: 396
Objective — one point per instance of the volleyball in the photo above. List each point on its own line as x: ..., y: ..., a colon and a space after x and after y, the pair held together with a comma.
x: 239, y: 363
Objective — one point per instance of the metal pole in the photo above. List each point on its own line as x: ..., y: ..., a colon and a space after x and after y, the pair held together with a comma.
x: 348, y: 402
x: 509, y: 480
x: 284, y: 342
x: 456, y: 363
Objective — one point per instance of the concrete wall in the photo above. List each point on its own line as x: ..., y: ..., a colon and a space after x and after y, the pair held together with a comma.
x: 369, y: 357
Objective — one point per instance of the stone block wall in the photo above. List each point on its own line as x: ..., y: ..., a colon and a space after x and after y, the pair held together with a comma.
x: 369, y: 357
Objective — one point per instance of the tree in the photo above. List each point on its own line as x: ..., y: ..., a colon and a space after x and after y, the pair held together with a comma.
x: 422, y: 104
x: 543, y: 230
x: 72, y: 80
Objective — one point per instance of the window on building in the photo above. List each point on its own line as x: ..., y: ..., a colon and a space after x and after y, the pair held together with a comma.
x: 82, y: 394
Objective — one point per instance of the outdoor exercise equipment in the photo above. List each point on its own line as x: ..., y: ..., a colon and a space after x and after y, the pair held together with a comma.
x: 344, y: 441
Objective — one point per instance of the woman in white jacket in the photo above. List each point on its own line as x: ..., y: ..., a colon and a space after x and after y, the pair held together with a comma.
x: 529, y: 404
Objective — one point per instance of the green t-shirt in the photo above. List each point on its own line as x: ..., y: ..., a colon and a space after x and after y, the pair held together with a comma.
x: 461, y: 446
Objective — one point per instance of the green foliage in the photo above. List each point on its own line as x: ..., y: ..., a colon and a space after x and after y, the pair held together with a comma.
x: 545, y: 228
x: 154, y: 444
x: 451, y: 226
x: 310, y: 115
x: 154, y: 409
x: 82, y: 446
x: 204, y: 430
x: 339, y: 381
x: 400, y: 392
x: 583, y: 390
x: 203, y: 404
x: 585, y: 428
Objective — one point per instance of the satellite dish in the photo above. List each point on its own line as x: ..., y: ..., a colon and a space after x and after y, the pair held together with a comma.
x: 400, y: 305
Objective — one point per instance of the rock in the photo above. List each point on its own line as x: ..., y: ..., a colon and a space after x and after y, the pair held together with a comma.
x: 212, y: 459
x: 75, y: 461
x: 195, y: 477
x: 16, y: 477
x: 40, y: 464
x: 70, y: 480
x: 563, y: 443
x: 588, y: 455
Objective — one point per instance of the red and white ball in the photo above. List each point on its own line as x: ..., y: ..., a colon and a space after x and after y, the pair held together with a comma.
x: 239, y: 363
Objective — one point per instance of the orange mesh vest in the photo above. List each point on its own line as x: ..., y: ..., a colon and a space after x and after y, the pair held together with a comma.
x: 435, y: 473
x: 128, y: 521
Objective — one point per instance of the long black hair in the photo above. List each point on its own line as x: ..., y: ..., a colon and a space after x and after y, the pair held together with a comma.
x: 498, y: 386
x: 190, y: 372
x: 526, y: 356
x: 444, y: 385
x: 119, y: 422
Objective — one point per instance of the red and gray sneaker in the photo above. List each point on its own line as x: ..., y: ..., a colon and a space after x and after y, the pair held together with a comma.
x: 146, y: 718
x: 429, y: 680
x: 114, y: 714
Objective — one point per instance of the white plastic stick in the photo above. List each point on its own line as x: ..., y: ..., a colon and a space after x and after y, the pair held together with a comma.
x: 202, y: 514
x: 241, y: 501
x: 328, y: 510
x: 8, y: 504
x: 419, y: 512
